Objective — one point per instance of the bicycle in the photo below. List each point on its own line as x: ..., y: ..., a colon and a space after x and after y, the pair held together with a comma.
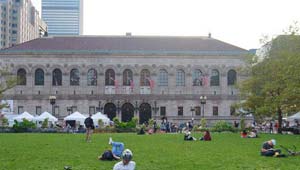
x: 291, y: 152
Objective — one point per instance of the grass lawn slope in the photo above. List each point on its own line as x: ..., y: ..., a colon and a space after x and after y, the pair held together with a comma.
x: 150, y: 152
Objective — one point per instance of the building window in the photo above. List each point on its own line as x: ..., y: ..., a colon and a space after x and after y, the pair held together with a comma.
x: 92, y: 77
x: 232, y: 110
x: 92, y: 110
x: 231, y: 77
x: 20, y: 109
x: 38, y: 110
x: 198, y: 110
x: 180, y: 111
x: 215, y: 78
x: 163, y: 111
x: 57, y: 77
x: 21, y: 77
x: 39, y: 77
x: 56, y: 110
x: 127, y: 77
x: 110, y: 77
x: 215, y: 111
x: 145, y: 78
x: 163, y: 78
x: 180, y: 78
x: 74, y: 77
x: 197, y: 77
x: 74, y: 109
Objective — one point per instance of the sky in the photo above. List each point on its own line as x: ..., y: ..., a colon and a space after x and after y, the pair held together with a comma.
x: 239, y: 22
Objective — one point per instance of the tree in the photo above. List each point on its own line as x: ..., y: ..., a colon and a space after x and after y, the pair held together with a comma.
x: 7, y: 81
x: 273, y: 84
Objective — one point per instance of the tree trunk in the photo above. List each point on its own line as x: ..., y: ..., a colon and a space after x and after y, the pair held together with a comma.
x: 279, y: 120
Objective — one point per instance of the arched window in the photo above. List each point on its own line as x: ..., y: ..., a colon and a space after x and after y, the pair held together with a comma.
x: 231, y: 77
x: 127, y: 77
x: 92, y: 77
x: 21, y: 77
x: 39, y: 77
x: 215, y: 78
x: 197, y: 77
x: 74, y: 77
x: 110, y: 77
x: 145, y: 77
x: 163, y: 78
x: 180, y: 78
x: 57, y: 77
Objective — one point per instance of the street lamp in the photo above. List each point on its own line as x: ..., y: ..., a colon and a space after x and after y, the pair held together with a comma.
x: 52, y: 102
x: 192, y: 110
x: 69, y: 110
x: 118, y: 107
x: 155, y: 108
x: 203, y: 102
x: 136, y: 108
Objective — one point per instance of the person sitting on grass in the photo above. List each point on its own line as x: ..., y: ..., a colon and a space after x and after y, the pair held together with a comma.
x: 188, y: 136
x: 206, y: 136
x: 115, y: 153
x: 253, y: 134
x: 126, y: 163
x: 268, y: 148
x: 244, y: 134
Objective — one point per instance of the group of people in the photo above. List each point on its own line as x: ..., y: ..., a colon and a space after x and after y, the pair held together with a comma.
x: 252, y: 134
x: 116, y: 153
x: 188, y: 137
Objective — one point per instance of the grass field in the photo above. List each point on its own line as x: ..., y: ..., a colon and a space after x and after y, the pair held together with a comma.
x: 151, y: 152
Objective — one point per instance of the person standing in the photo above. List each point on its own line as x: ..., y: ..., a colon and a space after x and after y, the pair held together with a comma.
x: 89, y: 124
x: 126, y: 163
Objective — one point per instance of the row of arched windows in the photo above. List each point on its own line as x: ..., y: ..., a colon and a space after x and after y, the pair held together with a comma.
x: 199, y: 79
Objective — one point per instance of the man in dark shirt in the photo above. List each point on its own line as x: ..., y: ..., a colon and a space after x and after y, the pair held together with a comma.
x: 268, y: 148
x: 89, y: 124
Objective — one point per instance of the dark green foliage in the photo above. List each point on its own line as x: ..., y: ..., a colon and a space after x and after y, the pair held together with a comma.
x: 24, y: 126
x: 45, y: 123
x: 222, y: 126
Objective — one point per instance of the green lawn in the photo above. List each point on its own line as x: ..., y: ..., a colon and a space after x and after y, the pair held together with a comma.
x: 151, y: 152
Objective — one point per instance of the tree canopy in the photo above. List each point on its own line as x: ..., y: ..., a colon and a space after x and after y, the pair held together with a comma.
x: 273, y: 86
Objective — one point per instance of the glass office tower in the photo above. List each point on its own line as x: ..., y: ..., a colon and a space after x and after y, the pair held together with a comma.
x: 63, y: 17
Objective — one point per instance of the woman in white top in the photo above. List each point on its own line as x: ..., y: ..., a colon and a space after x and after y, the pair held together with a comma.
x: 126, y: 163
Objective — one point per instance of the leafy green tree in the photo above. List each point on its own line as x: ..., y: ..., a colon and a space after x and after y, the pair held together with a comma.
x: 273, y: 84
x: 7, y: 81
x: 45, y: 123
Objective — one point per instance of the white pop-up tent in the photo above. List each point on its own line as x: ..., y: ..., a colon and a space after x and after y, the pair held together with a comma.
x: 24, y: 115
x: 46, y: 115
x: 78, y: 117
x: 10, y: 118
x: 294, y: 117
x: 101, y: 116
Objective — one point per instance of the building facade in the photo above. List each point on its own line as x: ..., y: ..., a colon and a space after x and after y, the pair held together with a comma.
x: 20, y: 22
x: 63, y: 17
x: 127, y: 76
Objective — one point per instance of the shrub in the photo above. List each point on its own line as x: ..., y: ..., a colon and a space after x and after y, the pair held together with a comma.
x: 203, y: 123
x: 242, y: 124
x: 100, y: 123
x: 221, y: 126
x: 24, y: 126
x: 4, y: 122
x: 45, y: 123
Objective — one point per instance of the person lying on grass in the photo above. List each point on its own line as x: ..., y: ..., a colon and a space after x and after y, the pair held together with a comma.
x: 115, y: 153
x: 188, y: 136
x: 268, y: 148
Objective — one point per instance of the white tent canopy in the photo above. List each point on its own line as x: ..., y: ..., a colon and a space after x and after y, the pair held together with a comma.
x: 101, y: 116
x: 78, y: 117
x: 46, y: 115
x: 24, y: 115
x: 294, y: 117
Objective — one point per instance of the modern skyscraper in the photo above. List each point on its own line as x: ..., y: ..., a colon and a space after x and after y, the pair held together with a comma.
x: 63, y: 17
x: 20, y: 22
